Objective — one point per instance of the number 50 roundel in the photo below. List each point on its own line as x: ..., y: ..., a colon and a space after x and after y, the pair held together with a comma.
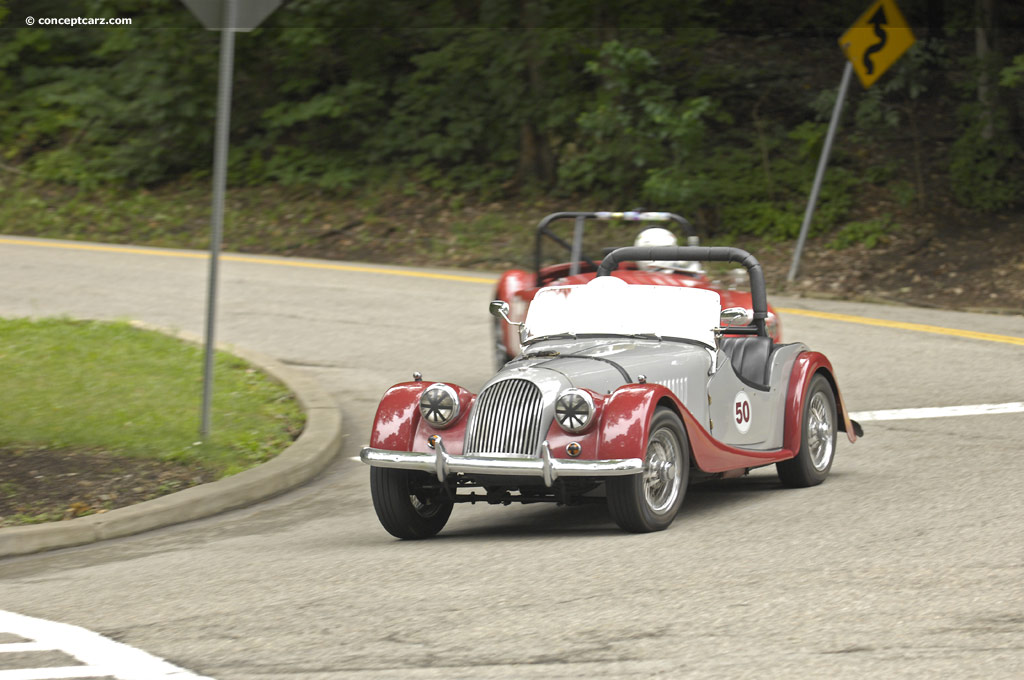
x: 741, y: 412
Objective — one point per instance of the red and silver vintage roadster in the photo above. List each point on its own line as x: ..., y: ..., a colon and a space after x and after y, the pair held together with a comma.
x: 622, y: 393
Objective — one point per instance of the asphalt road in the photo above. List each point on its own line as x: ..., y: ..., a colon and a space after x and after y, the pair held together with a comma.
x: 907, y: 562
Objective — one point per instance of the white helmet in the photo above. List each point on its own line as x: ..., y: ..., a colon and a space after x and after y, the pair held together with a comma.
x: 653, y: 238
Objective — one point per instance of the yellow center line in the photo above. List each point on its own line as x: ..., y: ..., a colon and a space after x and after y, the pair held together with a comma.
x: 902, y: 325
x: 385, y: 271
x: 252, y: 260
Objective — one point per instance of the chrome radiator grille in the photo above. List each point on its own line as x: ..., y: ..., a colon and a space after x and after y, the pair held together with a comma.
x: 506, y: 419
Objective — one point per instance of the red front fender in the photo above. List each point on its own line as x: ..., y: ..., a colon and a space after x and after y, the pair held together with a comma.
x: 626, y: 418
x: 399, y: 427
x: 397, y: 416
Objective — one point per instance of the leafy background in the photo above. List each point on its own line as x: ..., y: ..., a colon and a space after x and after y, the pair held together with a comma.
x: 715, y: 109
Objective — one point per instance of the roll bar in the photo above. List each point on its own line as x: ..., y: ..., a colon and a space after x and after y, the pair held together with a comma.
x: 758, y: 295
x: 576, y: 247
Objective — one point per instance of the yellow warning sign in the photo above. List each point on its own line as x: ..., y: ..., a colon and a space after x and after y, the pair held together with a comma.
x: 876, y: 40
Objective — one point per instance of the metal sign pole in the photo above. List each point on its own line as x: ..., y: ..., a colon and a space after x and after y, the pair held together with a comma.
x: 220, y: 167
x: 844, y: 85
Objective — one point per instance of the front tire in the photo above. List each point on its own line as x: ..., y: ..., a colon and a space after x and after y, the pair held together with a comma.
x: 650, y: 500
x: 817, y: 438
x: 409, y: 504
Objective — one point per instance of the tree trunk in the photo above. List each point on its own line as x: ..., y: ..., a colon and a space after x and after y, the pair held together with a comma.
x: 536, y: 159
x: 983, y: 50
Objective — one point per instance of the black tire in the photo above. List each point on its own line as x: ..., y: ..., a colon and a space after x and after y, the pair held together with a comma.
x: 650, y: 500
x: 408, y: 505
x: 818, y: 425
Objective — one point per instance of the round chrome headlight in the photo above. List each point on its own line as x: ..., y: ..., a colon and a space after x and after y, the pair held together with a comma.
x: 573, y: 410
x: 439, y: 405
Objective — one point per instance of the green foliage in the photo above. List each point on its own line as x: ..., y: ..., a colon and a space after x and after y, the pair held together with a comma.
x: 869, y: 233
x: 637, y: 132
x: 904, y: 193
x: 632, y: 125
x: 985, y: 166
x: 96, y: 105
x: 746, y: 191
x: 446, y: 122
x: 492, y: 99
x: 986, y: 173
x: 1013, y: 75
x: 891, y: 100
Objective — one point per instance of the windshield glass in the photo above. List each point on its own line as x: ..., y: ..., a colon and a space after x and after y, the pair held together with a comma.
x: 609, y: 306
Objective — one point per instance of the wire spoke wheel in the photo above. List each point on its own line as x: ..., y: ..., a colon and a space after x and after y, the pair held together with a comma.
x: 650, y: 500
x: 820, y: 432
x: 813, y: 461
x: 661, y: 470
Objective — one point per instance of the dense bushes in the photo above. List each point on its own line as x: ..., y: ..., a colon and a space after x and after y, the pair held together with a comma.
x: 719, y: 112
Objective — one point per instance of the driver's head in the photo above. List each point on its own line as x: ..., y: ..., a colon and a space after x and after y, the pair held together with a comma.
x: 652, y: 238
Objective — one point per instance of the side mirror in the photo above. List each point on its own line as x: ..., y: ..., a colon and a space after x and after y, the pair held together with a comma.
x: 734, y: 316
x: 499, y: 309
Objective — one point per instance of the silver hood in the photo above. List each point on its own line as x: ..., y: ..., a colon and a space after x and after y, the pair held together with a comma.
x: 518, y: 412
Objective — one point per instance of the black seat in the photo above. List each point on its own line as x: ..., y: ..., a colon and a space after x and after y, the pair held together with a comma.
x: 749, y: 355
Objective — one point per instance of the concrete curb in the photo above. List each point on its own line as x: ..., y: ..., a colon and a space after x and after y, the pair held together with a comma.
x: 302, y: 461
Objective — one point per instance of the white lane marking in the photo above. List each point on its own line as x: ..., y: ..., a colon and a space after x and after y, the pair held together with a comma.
x: 939, y: 412
x: 100, y: 656
x: 52, y: 673
x: 24, y: 647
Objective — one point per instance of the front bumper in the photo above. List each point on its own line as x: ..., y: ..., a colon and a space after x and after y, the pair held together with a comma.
x: 442, y: 464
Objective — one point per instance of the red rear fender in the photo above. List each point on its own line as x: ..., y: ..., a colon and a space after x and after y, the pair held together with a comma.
x: 807, y: 365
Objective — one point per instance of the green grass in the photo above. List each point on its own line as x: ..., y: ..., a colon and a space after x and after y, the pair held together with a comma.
x: 71, y: 384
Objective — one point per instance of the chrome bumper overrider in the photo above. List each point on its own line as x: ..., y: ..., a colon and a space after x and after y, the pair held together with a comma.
x: 549, y: 469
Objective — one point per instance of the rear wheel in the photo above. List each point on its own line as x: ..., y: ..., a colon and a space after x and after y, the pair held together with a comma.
x: 409, y: 504
x: 818, y: 438
x: 650, y: 500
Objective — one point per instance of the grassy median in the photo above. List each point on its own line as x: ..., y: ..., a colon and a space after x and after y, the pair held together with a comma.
x: 97, y: 415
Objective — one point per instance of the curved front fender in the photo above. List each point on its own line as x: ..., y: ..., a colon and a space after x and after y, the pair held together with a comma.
x: 626, y: 419
x: 397, y: 416
x: 398, y: 425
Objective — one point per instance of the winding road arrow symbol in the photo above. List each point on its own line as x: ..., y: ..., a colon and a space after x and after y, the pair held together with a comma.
x: 876, y: 40
x: 877, y: 20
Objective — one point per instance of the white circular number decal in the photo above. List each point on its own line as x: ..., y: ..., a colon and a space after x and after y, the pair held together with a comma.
x: 741, y: 412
